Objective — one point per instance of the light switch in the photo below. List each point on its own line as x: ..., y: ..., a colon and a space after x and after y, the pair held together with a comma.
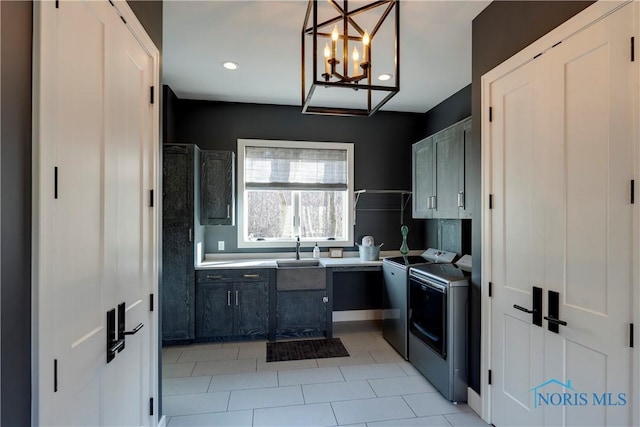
x: 221, y: 245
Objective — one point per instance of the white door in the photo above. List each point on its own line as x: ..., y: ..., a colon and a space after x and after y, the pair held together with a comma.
x: 517, y: 243
x: 94, y: 232
x: 562, y: 145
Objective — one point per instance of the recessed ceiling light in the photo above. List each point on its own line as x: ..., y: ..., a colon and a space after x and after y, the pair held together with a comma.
x: 385, y: 77
x: 230, y: 65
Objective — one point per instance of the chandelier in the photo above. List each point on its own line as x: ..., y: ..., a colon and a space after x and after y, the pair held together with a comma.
x: 339, y: 50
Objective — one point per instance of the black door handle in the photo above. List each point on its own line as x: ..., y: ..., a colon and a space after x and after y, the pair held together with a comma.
x: 114, y: 344
x: 526, y: 310
x: 134, y: 330
x: 554, y: 313
x: 555, y: 321
x: 537, y: 307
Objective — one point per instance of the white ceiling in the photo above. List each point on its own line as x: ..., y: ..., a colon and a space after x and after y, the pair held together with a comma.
x: 264, y: 36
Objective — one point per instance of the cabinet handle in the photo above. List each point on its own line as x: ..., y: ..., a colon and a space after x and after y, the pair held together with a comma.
x: 236, y: 297
x: 461, y: 199
x: 251, y: 276
x: 429, y: 204
x: 191, y: 234
x: 213, y: 277
x: 228, y: 297
x: 228, y: 211
x: 434, y: 203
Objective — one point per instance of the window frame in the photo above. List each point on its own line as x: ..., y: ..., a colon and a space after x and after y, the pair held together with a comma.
x: 287, y: 243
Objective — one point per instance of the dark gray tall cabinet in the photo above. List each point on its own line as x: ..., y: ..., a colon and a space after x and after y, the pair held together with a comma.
x: 180, y: 232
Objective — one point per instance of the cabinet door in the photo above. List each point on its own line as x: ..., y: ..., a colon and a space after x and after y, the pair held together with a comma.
x: 467, y: 164
x: 301, y: 313
x: 252, y: 309
x: 422, y: 178
x: 217, y: 188
x: 446, y: 147
x: 215, y: 310
x: 177, y: 182
x: 177, y: 283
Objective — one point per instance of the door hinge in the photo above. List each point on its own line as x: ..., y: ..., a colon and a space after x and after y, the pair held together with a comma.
x: 55, y: 182
x: 123, y: 20
x: 150, y: 198
x: 150, y: 302
x: 489, y: 377
x: 111, y: 2
x: 490, y: 114
x: 490, y: 289
x: 152, y: 95
x: 55, y: 375
x: 57, y: 4
x: 490, y: 201
x: 633, y: 191
x: 631, y: 335
x: 633, y: 49
x: 151, y: 406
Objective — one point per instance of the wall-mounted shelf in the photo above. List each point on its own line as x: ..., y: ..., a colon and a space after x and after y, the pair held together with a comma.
x: 405, y: 196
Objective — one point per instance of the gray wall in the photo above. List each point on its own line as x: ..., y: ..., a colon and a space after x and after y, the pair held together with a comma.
x: 498, y: 32
x: 15, y: 294
x: 382, y: 154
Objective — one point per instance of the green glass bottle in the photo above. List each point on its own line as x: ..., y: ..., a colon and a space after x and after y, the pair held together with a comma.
x: 404, y: 249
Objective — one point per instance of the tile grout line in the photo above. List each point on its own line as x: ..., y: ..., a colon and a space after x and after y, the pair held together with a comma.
x: 409, y: 406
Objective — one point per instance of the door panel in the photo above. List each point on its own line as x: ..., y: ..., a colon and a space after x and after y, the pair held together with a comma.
x: 590, y: 229
x: 561, y: 161
x: 517, y: 244
x: 94, y: 234
x: 78, y: 221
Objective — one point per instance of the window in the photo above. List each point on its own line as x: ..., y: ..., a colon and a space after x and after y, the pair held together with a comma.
x: 295, y: 188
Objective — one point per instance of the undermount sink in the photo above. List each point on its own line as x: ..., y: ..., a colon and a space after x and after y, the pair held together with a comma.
x: 298, y: 262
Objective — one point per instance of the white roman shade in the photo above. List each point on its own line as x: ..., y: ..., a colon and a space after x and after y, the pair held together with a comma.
x: 284, y: 168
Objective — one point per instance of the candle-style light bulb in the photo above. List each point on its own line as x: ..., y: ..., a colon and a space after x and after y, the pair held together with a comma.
x: 334, y: 41
x: 356, y: 57
x: 365, y: 46
x: 327, y: 55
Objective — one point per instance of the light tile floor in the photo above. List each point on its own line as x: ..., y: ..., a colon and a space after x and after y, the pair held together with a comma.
x: 231, y: 384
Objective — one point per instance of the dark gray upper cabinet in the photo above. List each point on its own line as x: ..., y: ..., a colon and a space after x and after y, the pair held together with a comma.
x: 469, y: 159
x: 179, y: 168
x: 217, y: 186
x: 423, y: 178
x: 233, y: 304
x: 438, y: 173
x: 178, y: 183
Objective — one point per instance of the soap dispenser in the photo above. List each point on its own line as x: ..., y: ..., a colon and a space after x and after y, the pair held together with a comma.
x: 316, y: 251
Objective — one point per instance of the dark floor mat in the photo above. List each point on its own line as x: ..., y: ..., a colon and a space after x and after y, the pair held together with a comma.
x: 305, y: 349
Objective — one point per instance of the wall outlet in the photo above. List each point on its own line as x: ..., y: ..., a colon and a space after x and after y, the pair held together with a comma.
x: 221, y: 245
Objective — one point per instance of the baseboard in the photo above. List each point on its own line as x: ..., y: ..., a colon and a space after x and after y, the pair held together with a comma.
x: 474, y: 401
x: 163, y: 421
x: 356, y: 315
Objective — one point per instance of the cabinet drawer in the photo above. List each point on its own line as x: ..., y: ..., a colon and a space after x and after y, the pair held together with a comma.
x: 232, y: 275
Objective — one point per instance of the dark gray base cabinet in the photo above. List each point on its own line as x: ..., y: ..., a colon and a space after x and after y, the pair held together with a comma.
x: 232, y: 304
x: 301, y: 313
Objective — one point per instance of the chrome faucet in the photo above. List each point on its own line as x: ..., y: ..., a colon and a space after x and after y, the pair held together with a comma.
x: 297, y: 247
